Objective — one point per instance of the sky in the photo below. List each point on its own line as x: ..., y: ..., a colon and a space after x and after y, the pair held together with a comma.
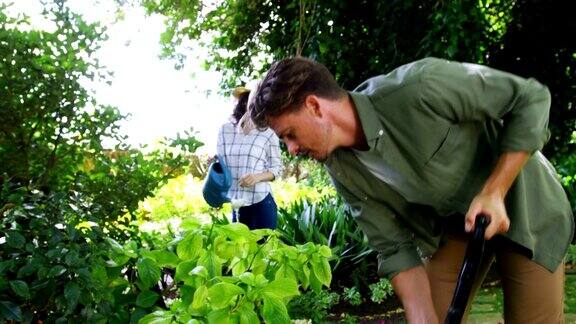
x: 161, y: 100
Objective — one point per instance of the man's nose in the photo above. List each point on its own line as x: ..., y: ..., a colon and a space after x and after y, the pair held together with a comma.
x: 292, y: 148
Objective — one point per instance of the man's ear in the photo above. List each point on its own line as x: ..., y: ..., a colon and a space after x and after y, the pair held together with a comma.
x: 312, y: 102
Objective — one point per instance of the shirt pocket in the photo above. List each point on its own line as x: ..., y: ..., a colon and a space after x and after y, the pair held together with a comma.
x: 442, y: 172
x: 444, y: 149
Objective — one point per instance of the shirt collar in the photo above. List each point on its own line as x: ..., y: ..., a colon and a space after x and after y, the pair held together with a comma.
x: 369, y: 118
x: 370, y: 121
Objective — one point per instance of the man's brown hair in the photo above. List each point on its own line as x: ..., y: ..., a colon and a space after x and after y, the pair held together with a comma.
x: 286, y: 85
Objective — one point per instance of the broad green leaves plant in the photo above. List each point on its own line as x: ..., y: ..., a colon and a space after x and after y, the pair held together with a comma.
x: 227, y: 273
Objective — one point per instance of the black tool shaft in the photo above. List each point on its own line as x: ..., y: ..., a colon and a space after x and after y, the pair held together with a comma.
x: 468, y: 272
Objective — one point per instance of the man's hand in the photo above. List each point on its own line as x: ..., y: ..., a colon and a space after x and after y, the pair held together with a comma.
x: 492, y: 206
x: 490, y: 201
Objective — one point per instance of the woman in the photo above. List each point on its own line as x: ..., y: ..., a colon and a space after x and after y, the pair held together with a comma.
x: 253, y: 157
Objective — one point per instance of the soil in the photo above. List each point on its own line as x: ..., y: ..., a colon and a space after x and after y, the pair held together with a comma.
x: 389, y: 311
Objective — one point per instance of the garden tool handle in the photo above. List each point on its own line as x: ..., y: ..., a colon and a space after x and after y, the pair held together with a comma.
x: 468, y: 272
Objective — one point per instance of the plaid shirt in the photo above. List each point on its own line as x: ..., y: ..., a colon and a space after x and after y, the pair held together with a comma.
x: 255, y: 152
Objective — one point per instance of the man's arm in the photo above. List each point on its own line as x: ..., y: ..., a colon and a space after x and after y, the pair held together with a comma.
x: 474, y: 93
x: 413, y: 289
x: 490, y: 200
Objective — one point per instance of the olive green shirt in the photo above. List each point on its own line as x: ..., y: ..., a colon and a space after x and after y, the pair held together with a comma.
x: 442, y: 125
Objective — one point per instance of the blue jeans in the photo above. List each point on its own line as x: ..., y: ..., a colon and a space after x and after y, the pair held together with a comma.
x: 263, y: 214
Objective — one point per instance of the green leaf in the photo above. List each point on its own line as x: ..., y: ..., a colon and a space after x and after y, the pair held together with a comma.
x: 281, y: 288
x: 190, y: 247
x: 321, y: 269
x: 227, y: 250
x: 26, y: 270
x: 212, y: 263
x: 248, y: 278
x: 136, y: 315
x: 183, y: 271
x: 187, y: 294
x: 118, y: 282
x: 10, y: 311
x: 304, y: 276
x: 248, y: 315
x: 222, y: 294
x: 56, y: 271
x: 71, y: 258
x: 285, y: 271
x: 238, y: 230
x: 99, y: 274
x: 199, y: 271
x: 167, y: 259
x: 274, y: 311
x: 200, y: 296
x: 146, y: 299
x: 15, y: 239
x: 20, y: 288
x: 240, y: 266
x: 148, y: 272
x: 158, y: 317
x: 315, y: 284
x: 72, y: 294
x: 221, y: 316
x: 325, y: 251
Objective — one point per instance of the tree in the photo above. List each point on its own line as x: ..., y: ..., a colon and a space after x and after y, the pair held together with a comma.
x: 52, y: 129
x: 63, y: 196
x: 360, y: 39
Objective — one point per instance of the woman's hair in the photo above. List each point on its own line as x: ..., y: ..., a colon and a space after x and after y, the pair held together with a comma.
x: 240, y: 108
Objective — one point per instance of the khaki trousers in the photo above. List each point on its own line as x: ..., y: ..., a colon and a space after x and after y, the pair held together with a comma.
x: 531, y: 293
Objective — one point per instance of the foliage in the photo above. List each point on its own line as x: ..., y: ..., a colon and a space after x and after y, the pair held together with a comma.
x: 570, y: 293
x: 324, y: 222
x: 566, y: 167
x: 227, y: 273
x: 381, y: 290
x: 43, y: 128
x: 352, y: 296
x: 304, y: 170
x: 245, y: 36
x: 51, y: 130
x: 552, y: 62
x: 49, y: 267
x: 63, y: 196
x: 327, y: 222
x: 180, y: 197
x: 571, y: 255
x: 313, y: 305
x: 52, y: 271
x: 334, y: 32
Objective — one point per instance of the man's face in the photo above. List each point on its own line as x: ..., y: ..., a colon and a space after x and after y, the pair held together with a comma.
x: 305, y: 132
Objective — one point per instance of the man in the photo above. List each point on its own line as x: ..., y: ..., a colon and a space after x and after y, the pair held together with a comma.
x: 417, y: 154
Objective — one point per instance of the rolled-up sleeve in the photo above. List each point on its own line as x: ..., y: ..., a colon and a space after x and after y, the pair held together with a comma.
x: 463, y: 92
x: 274, y: 156
x: 390, y: 239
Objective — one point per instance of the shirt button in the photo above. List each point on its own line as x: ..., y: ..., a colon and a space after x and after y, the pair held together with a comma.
x: 380, y: 132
